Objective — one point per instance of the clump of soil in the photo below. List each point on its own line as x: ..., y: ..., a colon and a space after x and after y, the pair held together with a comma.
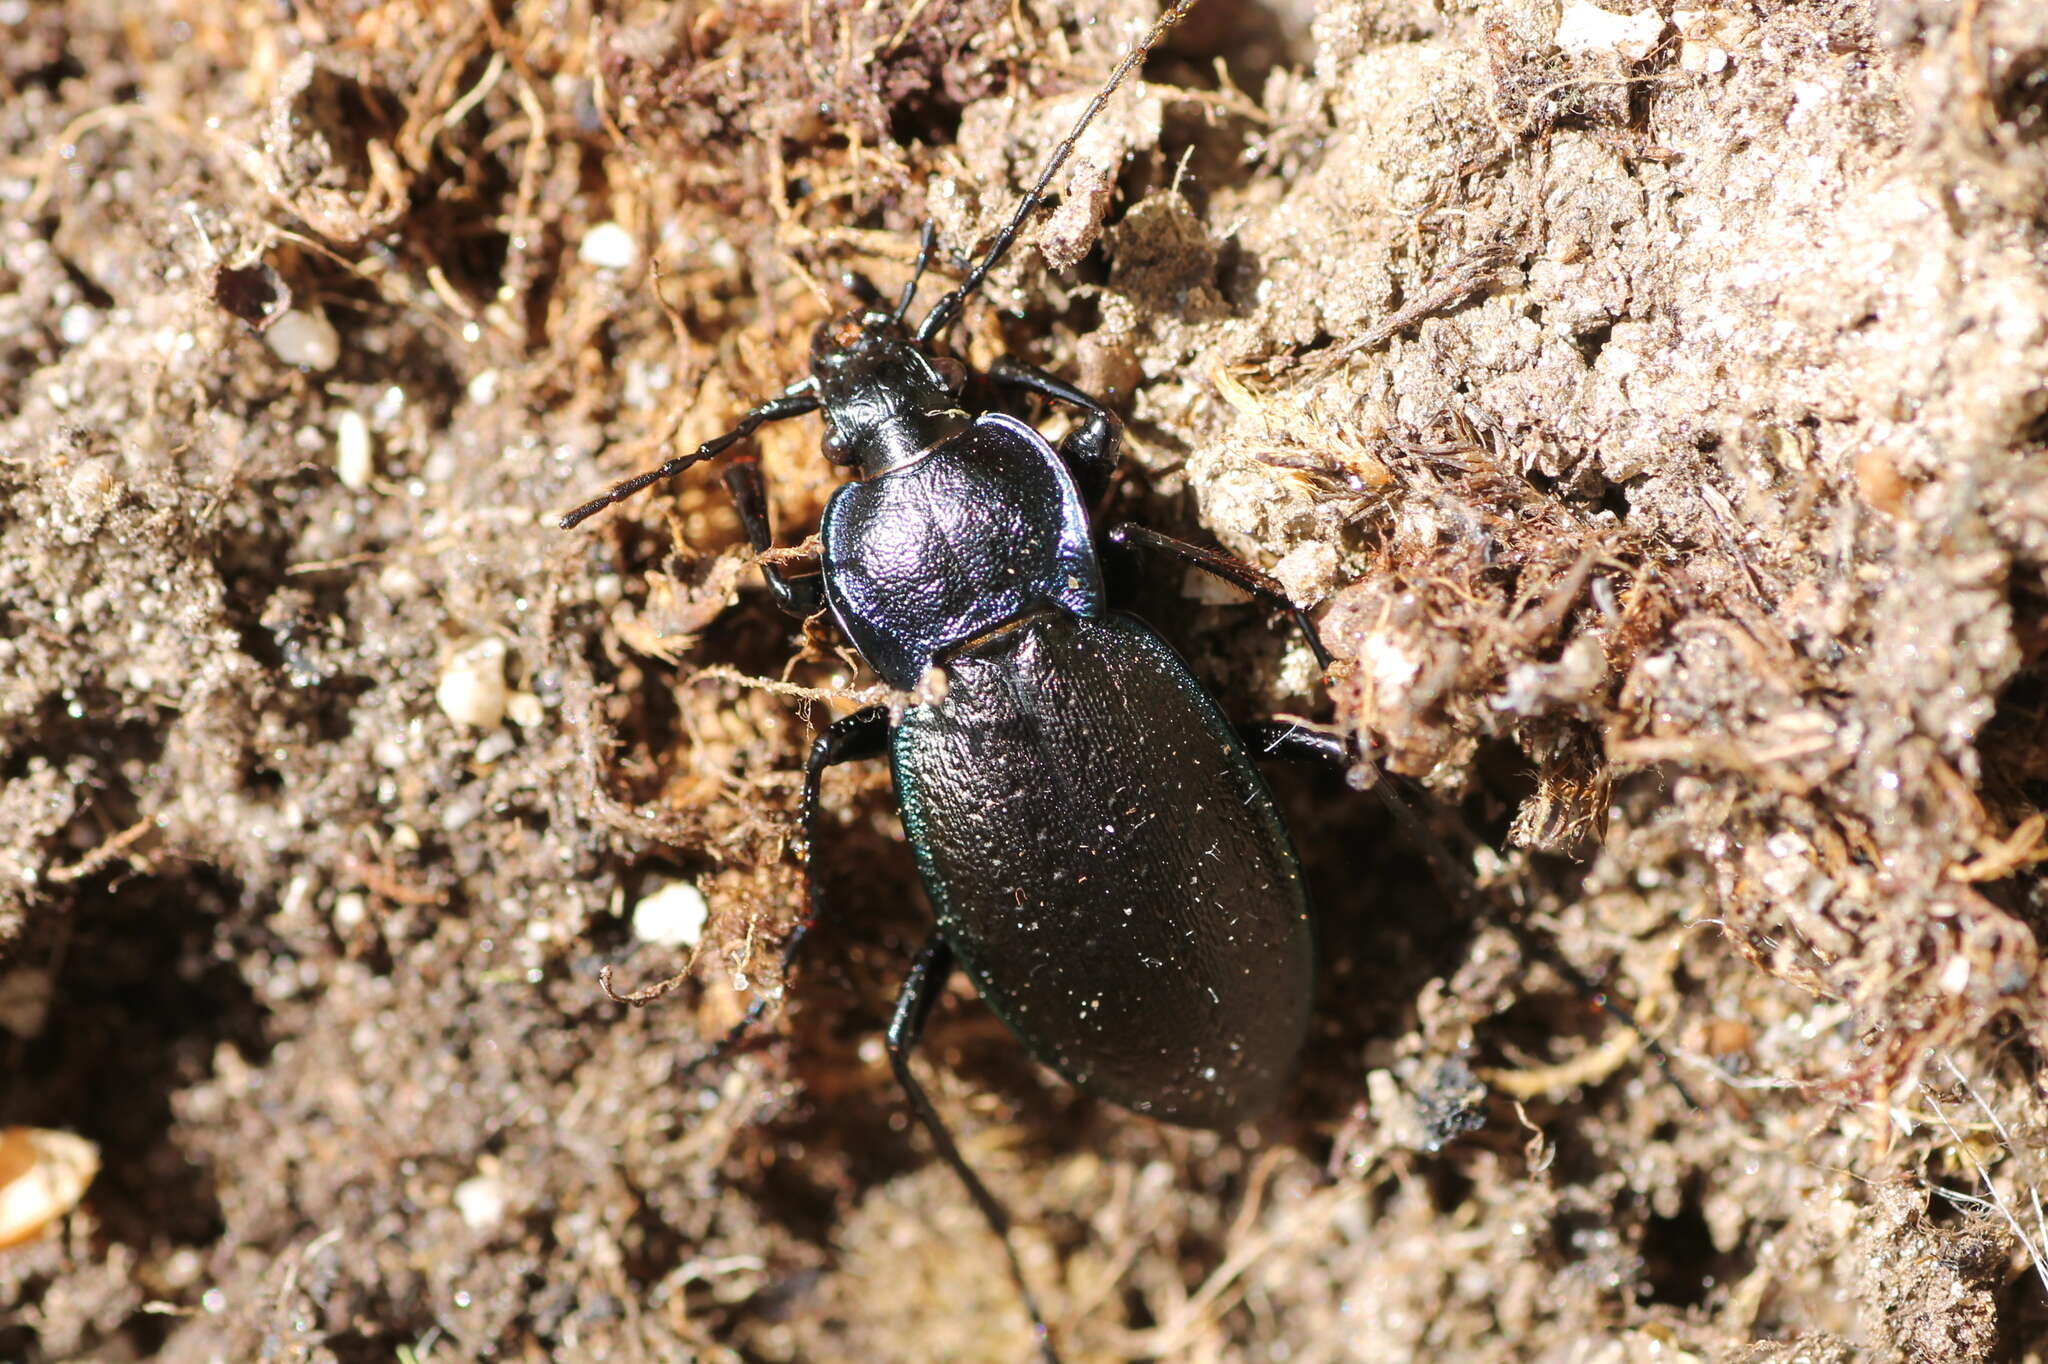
x: 1651, y: 402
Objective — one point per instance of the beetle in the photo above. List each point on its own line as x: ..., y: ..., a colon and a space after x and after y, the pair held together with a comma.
x: 1102, y: 856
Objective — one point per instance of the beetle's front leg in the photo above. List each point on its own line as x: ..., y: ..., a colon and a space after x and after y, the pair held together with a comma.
x: 800, y: 597
x: 1090, y: 449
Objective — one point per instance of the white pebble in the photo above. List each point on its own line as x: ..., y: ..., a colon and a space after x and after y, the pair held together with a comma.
x: 303, y: 338
x: 1704, y: 58
x: 609, y: 246
x: 1585, y: 29
x: 472, y: 689
x: 353, y: 462
x: 481, y: 1201
x: 672, y: 916
x: 349, y: 912
x: 525, y: 710
x: 77, y: 323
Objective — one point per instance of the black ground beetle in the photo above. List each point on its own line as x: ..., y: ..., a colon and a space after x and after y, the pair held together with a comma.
x: 1101, y: 854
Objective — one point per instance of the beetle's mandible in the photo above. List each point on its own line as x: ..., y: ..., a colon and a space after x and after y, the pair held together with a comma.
x: 1102, y: 856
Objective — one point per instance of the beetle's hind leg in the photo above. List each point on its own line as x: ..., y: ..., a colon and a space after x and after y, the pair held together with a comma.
x: 1278, y: 739
x: 1090, y: 449
x: 921, y: 990
x: 859, y: 736
x: 1299, y: 743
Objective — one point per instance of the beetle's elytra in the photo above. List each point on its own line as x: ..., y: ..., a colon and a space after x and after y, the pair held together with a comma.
x: 1102, y: 856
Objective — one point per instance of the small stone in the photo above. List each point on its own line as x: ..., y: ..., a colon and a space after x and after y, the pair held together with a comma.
x: 304, y: 338
x: 609, y: 246
x: 672, y: 916
x: 525, y: 710
x: 1702, y: 58
x: 349, y: 912
x: 77, y: 324
x: 353, y: 460
x: 481, y: 1201
x: 43, y: 1174
x: 1585, y: 29
x: 472, y: 689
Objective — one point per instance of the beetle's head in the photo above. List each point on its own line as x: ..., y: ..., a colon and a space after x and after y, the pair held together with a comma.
x: 885, y: 399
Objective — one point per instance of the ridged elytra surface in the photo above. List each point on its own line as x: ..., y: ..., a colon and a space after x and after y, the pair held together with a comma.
x: 1108, y: 866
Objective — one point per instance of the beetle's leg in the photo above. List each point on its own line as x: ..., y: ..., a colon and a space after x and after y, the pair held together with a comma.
x: 1235, y: 571
x: 1090, y: 449
x: 861, y: 735
x: 854, y: 738
x: 1298, y: 743
x: 801, y: 597
x: 921, y: 990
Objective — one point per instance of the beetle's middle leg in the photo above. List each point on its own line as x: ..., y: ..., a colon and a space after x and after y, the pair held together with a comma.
x: 921, y: 990
x: 861, y: 735
x: 1230, y: 568
x: 1292, y: 741
x: 1090, y: 449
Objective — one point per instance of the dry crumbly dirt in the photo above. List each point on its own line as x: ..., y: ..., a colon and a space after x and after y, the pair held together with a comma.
x: 1654, y: 405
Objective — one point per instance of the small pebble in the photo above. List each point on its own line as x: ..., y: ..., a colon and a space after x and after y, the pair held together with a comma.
x: 672, y: 916
x: 1585, y: 29
x: 349, y: 912
x: 1704, y: 58
x: 353, y: 462
x: 304, y: 338
x: 472, y: 689
x: 481, y: 1201
x: 77, y: 324
x: 43, y: 1174
x: 525, y: 710
x: 609, y: 246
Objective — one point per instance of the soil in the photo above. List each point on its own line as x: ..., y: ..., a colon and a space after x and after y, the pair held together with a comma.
x: 1652, y: 405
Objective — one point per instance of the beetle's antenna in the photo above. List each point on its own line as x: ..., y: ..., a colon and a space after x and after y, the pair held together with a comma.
x: 948, y: 307
x: 925, y: 241
x: 797, y: 399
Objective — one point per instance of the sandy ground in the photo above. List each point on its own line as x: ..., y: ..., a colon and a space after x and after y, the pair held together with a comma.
x: 1653, y: 404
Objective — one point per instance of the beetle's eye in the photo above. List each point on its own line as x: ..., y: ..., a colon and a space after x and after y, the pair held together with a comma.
x: 838, y: 448
x: 951, y: 372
